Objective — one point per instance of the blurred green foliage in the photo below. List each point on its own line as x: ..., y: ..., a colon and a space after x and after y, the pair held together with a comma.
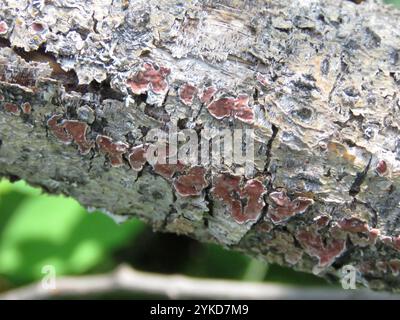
x: 395, y: 2
x: 38, y: 230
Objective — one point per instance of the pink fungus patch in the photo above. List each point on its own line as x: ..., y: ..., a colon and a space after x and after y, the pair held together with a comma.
x: 114, y: 150
x: 150, y: 78
x: 37, y: 27
x: 26, y: 108
x: 3, y: 27
x: 236, y: 107
x: 353, y: 225
x: 381, y: 167
x: 227, y: 189
x: 315, y: 247
x: 168, y: 170
x: 322, y: 221
x: 286, y: 208
x: 11, y: 108
x: 396, y: 242
x: 58, y: 130
x: 137, y: 157
x: 77, y: 130
x: 70, y: 131
x: 207, y: 94
x: 187, y: 92
x: 192, y: 183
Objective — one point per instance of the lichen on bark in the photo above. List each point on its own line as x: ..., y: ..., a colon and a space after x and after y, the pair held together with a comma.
x: 317, y: 81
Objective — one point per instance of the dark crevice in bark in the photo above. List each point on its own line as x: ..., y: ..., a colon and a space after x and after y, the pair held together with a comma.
x: 358, y: 181
x: 275, y: 131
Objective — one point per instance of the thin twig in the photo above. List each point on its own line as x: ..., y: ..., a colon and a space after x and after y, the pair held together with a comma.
x: 126, y: 279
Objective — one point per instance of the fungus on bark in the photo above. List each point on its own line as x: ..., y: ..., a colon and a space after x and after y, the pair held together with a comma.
x: 113, y: 150
x: 227, y: 189
x: 187, y: 92
x: 236, y: 107
x: 286, y: 208
x: 192, y: 183
x: 151, y: 78
x: 314, y: 245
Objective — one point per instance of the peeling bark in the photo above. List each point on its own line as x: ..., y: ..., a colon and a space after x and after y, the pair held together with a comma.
x: 82, y: 83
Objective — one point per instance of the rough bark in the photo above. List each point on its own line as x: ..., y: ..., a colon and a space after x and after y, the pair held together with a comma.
x: 82, y: 82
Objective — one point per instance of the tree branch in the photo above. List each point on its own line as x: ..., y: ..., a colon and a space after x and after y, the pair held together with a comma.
x: 314, y: 83
x: 128, y: 280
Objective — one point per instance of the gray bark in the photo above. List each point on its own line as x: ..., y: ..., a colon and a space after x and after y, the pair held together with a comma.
x: 322, y: 79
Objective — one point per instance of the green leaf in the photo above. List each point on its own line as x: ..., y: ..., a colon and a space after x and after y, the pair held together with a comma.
x: 38, y: 230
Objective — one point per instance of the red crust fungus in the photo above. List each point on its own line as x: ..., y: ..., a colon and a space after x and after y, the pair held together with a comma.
x: 314, y: 245
x: 168, y: 170
x: 114, y: 150
x: 227, y: 189
x: 395, y: 241
x: 37, y: 27
x: 70, y: 131
x: 192, y: 183
x: 11, y: 108
x: 208, y: 94
x: 26, y: 108
x: 77, y: 130
x: 3, y: 27
x: 286, y: 208
x: 151, y: 78
x: 187, y: 92
x: 236, y: 107
x: 381, y: 167
x: 58, y: 130
x: 353, y: 225
x: 137, y: 157
x: 322, y: 221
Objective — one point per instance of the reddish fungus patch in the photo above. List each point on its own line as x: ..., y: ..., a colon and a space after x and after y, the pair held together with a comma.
x: 322, y: 221
x: 396, y: 242
x: 374, y: 234
x: 37, y: 27
x: 11, y: 108
x: 187, y: 92
x: 168, y: 170
x: 58, y: 130
x: 137, y: 157
x: 381, y: 167
x: 114, y: 150
x: 151, y: 78
x: 315, y: 247
x: 3, y: 27
x: 77, y: 130
x: 26, y: 108
x: 236, y: 107
x: 286, y: 208
x: 70, y: 131
x: 227, y: 189
x: 208, y: 94
x: 192, y: 183
x: 353, y: 225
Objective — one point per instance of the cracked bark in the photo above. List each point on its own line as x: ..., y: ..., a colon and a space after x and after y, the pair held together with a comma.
x: 322, y: 81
